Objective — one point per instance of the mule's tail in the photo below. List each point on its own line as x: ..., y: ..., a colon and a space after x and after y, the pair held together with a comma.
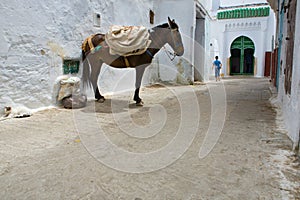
x: 86, y: 72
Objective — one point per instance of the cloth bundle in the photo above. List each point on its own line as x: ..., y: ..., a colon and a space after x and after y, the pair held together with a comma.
x: 127, y: 40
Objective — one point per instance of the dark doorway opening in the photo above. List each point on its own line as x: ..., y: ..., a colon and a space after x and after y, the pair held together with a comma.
x: 235, y: 61
x: 242, y: 56
x: 249, y: 61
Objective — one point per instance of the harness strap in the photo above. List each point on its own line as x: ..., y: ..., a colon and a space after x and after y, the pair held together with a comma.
x: 126, y: 62
x: 149, y: 53
x: 169, y: 54
x: 91, y: 43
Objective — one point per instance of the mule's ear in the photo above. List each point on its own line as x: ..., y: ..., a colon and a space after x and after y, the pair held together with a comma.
x: 170, y: 21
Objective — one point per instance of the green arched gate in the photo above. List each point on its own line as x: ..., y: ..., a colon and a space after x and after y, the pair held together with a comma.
x: 242, y: 56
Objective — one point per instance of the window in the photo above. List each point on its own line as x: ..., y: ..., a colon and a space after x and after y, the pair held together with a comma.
x: 151, y: 16
x: 71, y: 66
x: 97, y: 20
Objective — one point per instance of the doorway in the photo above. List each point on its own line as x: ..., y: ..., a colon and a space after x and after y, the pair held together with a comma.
x: 242, y: 56
x: 199, y: 46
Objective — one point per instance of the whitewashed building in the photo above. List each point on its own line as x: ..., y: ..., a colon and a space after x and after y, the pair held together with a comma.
x: 243, y: 37
x: 40, y: 41
x: 287, y: 71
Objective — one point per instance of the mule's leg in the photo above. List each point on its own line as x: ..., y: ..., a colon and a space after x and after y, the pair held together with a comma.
x: 96, y: 65
x: 138, y: 80
x: 94, y: 79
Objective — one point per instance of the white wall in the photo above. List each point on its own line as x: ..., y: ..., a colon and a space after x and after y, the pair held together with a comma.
x: 290, y: 104
x: 162, y: 69
x: 36, y: 36
x: 183, y: 13
x: 240, y: 2
x: 126, y: 12
x: 182, y: 69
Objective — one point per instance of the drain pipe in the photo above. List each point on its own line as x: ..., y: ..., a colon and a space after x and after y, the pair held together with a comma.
x: 280, y: 36
x: 298, y: 147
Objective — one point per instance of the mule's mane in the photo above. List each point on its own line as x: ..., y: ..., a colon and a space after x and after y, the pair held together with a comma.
x: 165, y: 25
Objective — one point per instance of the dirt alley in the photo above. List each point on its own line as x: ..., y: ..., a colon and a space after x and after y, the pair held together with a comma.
x: 45, y: 156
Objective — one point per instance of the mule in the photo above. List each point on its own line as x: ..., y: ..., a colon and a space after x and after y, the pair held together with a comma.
x: 167, y: 33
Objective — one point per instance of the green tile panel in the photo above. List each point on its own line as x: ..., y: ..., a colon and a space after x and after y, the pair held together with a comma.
x: 71, y: 66
x: 244, y: 13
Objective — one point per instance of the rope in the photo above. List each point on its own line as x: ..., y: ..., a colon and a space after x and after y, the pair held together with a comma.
x: 169, y: 53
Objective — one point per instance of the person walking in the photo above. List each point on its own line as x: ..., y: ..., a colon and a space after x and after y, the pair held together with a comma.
x: 217, y: 65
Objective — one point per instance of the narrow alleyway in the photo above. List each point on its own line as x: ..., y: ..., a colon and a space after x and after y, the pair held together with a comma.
x: 55, y: 154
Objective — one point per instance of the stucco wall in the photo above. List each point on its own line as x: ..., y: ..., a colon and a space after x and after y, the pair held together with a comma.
x: 126, y: 13
x: 290, y: 104
x: 234, y: 3
x: 36, y: 36
x: 174, y: 71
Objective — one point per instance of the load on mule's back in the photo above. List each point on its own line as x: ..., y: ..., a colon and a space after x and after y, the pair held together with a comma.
x: 141, y: 45
x: 127, y: 40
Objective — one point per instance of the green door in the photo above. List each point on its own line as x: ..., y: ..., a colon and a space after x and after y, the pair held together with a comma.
x: 242, y: 56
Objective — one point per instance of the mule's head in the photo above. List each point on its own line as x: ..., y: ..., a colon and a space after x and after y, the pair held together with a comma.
x: 176, y: 41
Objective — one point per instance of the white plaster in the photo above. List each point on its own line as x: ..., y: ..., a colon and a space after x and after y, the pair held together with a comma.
x: 290, y: 104
x: 36, y: 36
x: 54, y: 27
x: 240, y: 2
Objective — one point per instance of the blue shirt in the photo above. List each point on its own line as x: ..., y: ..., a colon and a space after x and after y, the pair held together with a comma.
x: 217, y: 63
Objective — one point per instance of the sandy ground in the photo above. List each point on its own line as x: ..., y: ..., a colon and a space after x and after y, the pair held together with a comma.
x: 61, y: 154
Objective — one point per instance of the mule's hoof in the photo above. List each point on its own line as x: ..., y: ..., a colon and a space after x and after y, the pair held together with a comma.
x: 101, y: 100
x: 141, y: 103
